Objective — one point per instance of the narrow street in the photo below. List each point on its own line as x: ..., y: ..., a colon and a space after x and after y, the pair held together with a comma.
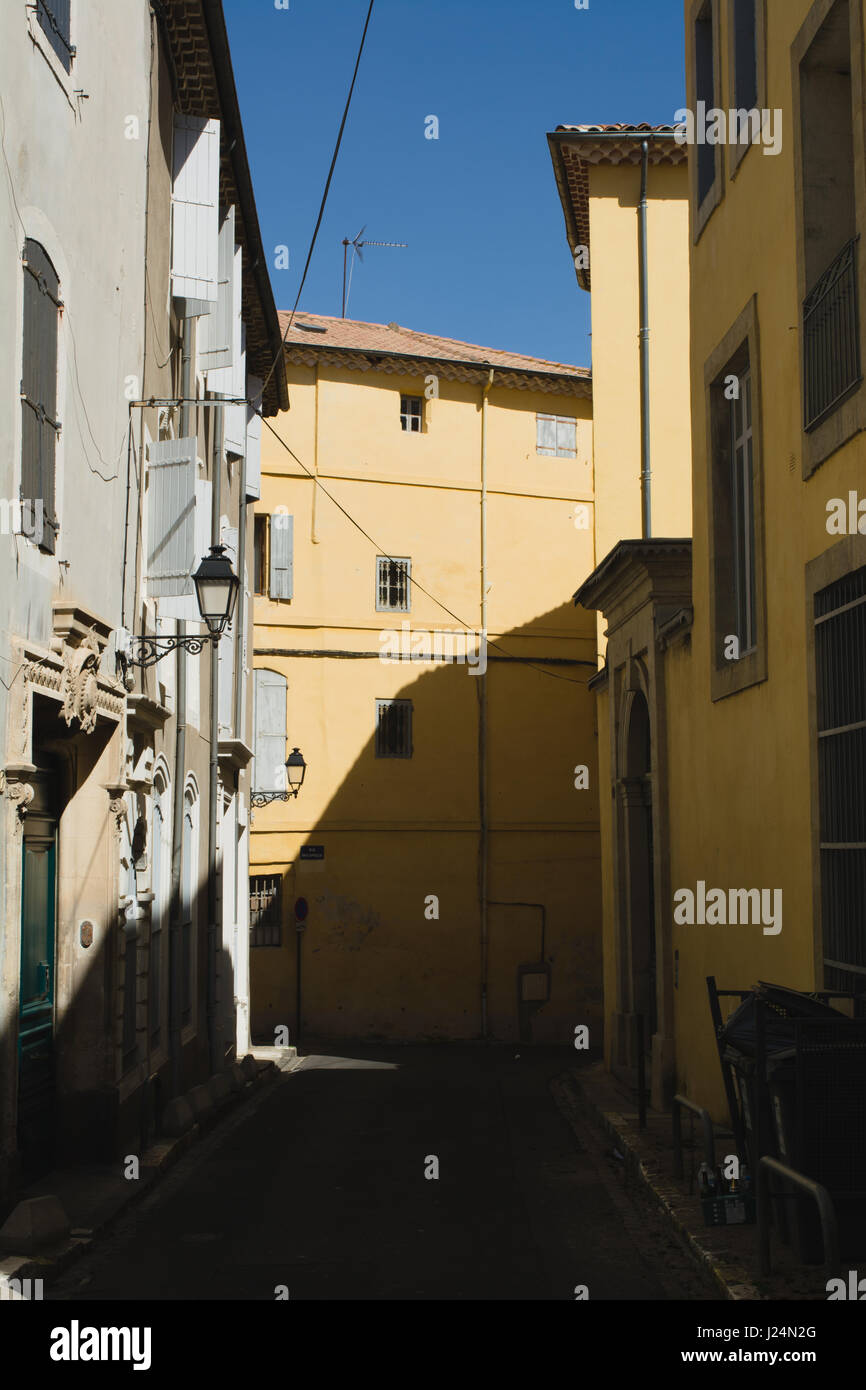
x: 319, y: 1185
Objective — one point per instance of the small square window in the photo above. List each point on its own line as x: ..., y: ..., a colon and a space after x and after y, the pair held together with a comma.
x: 393, y: 578
x: 556, y: 436
x: 411, y: 413
x: 393, y: 728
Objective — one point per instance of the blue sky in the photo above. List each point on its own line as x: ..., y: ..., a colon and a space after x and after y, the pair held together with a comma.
x: 487, y: 259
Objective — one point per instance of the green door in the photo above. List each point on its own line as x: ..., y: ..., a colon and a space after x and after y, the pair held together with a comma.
x: 36, y: 1083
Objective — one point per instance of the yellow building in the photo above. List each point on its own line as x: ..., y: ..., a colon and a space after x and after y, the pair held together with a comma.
x: 752, y: 651
x: 624, y: 192
x: 425, y: 507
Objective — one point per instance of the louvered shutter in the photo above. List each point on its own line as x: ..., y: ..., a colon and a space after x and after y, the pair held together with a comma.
x: 236, y: 415
x: 54, y: 17
x: 217, y: 329
x: 281, y: 547
x: 228, y: 538
x: 269, y: 746
x: 195, y: 208
x: 186, y: 605
x: 39, y: 396
x: 171, y: 512
x: 254, y: 439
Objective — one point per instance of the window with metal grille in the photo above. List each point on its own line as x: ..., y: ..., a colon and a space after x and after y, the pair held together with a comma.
x: 54, y: 17
x: 840, y: 658
x: 412, y: 413
x: 393, y: 728
x: 392, y: 584
x: 39, y: 423
x: 556, y: 436
x: 266, y: 913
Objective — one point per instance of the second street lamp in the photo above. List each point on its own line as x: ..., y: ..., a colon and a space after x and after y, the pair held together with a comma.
x: 295, y: 769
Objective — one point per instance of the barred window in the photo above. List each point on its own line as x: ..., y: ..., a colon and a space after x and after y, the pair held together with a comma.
x: 392, y: 584
x: 53, y: 17
x: 411, y: 413
x: 556, y: 436
x: 266, y: 916
x: 393, y: 728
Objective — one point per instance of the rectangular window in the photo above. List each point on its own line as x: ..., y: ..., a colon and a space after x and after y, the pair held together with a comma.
x: 411, y: 413
x: 840, y: 655
x: 743, y: 515
x: 40, y: 425
x: 260, y: 555
x: 266, y: 912
x: 393, y: 579
x: 556, y: 436
x: 393, y: 728
x: 745, y: 54
x: 53, y: 17
x: 705, y: 63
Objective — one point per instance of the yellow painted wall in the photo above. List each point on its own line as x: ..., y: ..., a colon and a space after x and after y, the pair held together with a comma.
x: 395, y: 831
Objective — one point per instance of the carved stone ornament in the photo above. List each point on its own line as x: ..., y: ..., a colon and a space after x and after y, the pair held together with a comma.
x: 80, y: 685
x: 18, y: 789
x: 117, y: 805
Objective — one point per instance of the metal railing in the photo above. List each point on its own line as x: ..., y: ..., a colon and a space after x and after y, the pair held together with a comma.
x: 680, y: 1102
x: 826, y: 1211
x: 831, y: 337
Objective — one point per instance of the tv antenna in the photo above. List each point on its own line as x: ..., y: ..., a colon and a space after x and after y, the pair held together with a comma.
x: 356, y: 243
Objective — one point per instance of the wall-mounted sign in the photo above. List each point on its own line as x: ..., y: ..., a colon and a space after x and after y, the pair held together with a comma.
x: 312, y: 851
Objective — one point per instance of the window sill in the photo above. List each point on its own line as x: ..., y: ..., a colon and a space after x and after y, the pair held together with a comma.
x: 735, y: 676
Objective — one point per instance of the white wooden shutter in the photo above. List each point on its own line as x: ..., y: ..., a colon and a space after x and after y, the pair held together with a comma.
x: 228, y: 538
x: 269, y: 770
x: 281, y: 579
x: 195, y: 208
x: 184, y: 603
x: 254, y: 439
x: 171, y: 510
x: 236, y: 415
x: 217, y: 329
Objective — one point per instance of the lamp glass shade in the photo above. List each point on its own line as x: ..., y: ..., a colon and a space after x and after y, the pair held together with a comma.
x: 295, y: 767
x: 216, y: 588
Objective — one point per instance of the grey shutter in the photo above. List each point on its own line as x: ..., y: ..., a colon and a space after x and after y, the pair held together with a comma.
x: 171, y: 513
x: 216, y: 329
x: 566, y: 436
x: 546, y: 433
x: 269, y: 746
x: 281, y: 583
x: 236, y: 386
x: 229, y: 538
x: 54, y: 19
x: 254, y: 438
x: 195, y: 208
x: 39, y: 395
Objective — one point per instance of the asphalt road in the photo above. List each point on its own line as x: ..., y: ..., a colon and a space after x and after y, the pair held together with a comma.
x: 318, y: 1185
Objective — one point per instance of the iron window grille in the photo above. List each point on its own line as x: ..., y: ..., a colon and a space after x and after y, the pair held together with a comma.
x: 392, y: 584
x: 54, y: 18
x: 411, y: 413
x: 831, y: 337
x: 393, y: 728
x: 743, y: 515
x: 556, y: 436
x: 840, y: 656
x: 266, y: 916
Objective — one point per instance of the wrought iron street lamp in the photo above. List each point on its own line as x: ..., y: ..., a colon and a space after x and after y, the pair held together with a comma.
x: 295, y: 769
x: 216, y: 589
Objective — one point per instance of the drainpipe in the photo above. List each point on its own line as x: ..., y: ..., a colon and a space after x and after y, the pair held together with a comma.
x: 644, y: 346
x: 174, y: 1002
x: 214, y: 1031
x: 483, y: 848
x: 242, y: 1006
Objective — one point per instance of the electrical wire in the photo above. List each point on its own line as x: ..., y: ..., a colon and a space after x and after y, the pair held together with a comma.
x: 418, y: 585
x: 324, y: 199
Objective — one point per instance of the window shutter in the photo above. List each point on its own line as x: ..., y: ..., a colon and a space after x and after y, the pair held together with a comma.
x: 171, y: 512
x: 282, y: 555
x: 236, y: 415
x: 185, y: 605
x: 54, y: 19
x: 229, y: 538
x: 39, y: 396
x: 195, y: 208
x: 216, y: 329
x: 269, y: 747
x: 566, y: 436
x: 254, y: 439
x: 546, y: 432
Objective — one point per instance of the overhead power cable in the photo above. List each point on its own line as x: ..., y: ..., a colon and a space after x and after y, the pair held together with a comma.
x: 417, y: 584
x: 324, y: 199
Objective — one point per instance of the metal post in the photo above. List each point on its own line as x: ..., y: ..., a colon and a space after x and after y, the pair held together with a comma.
x: 641, y: 1074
